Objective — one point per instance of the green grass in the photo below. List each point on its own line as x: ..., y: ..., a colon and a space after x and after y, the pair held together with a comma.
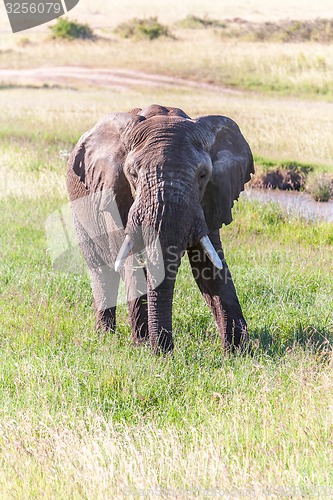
x: 87, y: 415
x: 77, y: 406
x: 303, y: 167
x: 320, y: 186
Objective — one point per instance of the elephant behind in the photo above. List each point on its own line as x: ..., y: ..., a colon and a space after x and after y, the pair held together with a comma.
x: 145, y: 187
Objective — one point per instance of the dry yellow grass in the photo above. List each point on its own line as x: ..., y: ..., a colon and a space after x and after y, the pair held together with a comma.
x: 105, y: 14
x: 280, y: 129
x: 31, y: 186
x: 301, y: 70
x: 118, y: 10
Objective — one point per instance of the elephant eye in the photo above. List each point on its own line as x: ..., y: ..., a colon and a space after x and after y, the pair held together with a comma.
x: 134, y: 174
x: 203, y: 174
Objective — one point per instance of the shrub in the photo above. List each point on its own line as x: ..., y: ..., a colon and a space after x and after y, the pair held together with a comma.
x: 287, y: 177
x: 194, y: 22
x: 320, y: 186
x: 319, y: 30
x: 149, y: 28
x: 64, y: 29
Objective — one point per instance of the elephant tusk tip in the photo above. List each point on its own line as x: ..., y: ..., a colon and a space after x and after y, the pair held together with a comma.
x: 219, y: 264
x: 123, y: 253
x: 211, y: 252
x: 118, y: 265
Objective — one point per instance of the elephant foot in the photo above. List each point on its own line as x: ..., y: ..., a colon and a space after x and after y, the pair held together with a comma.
x: 137, y: 342
x: 106, y: 320
x: 138, y: 317
x: 162, y: 343
x: 235, y: 336
x: 140, y: 337
x: 140, y: 334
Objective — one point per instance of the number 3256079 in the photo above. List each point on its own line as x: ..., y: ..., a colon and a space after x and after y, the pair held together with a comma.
x: 33, y: 8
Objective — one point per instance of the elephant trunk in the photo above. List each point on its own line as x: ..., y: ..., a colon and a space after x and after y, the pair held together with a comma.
x: 163, y: 228
x: 165, y: 246
x: 160, y: 316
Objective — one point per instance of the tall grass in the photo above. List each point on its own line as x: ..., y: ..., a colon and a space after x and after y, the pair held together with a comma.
x: 288, y: 69
x: 277, y: 129
x: 247, y: 447
x: 84, y: 414
x: 320, y: 187
x: 88, y: 415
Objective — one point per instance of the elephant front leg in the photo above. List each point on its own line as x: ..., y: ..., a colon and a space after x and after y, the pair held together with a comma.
x: 218, y: 289
x: 106, y: 319
x: 105, y: 283
x: 136, y: 291
x: 138, y: 315
x: 104, y: 280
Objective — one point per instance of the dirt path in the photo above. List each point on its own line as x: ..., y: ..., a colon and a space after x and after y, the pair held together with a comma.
x: 116, y: 78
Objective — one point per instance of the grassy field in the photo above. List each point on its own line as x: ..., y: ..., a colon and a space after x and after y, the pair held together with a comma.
x: 84, y: 415
x: 102, y: 14
x: 298, y: 70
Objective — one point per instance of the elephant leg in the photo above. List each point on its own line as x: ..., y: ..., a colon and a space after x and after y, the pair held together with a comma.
x: 136, y: 292
x: 138, y: 314
x: 105, y: 283
x: 219, y: 292
x: 104, y: 280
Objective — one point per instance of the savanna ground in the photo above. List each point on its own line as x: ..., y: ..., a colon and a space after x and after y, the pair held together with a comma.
x: 84, y: 415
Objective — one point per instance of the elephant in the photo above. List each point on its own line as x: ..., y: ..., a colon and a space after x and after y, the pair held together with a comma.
x: 145, y: 187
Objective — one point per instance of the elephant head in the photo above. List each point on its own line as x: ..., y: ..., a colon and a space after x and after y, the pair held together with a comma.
x: 174, y: 181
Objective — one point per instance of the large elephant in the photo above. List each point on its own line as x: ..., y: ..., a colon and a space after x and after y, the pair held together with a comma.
x: 145, y: 187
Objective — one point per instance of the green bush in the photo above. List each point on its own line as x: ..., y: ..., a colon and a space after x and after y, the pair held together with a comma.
x: 194, y: 22
x: 320, y: 186
x: 149, y: 28
x: 64, y: 29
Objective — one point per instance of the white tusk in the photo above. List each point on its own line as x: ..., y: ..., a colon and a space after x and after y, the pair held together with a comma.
x: 124, y: 251
x: 211, y: 252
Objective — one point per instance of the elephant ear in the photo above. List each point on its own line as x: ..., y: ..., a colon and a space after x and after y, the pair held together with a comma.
x: 98, y: 160
x: 232, y: 162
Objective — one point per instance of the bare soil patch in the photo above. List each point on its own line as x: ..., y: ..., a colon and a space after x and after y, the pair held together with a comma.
x: 116, y: 78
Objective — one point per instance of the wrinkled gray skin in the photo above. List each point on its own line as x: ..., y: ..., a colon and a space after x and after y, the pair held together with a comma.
x: 170, y: 173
